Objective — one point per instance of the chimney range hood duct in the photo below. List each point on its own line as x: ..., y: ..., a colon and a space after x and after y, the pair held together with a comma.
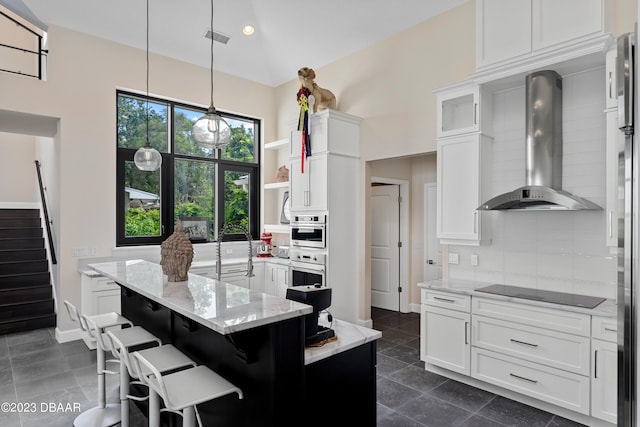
x: 543, y: 153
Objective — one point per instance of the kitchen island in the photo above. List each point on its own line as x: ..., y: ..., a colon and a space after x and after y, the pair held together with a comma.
x: 256, y: 341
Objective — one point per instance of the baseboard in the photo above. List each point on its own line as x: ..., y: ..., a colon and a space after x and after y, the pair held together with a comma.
x: 414, y: 308
x: 68, y: 335
x: 19, y: 205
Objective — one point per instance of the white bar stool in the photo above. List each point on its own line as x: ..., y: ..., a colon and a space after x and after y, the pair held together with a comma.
x: 183, y: 390
x: 103, y: 415
x: 165, y: 357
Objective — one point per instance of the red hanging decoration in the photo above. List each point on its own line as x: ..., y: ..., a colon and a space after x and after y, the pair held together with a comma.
x: 303, y: 124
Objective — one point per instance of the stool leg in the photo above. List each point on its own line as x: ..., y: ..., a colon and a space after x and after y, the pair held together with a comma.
x: 154, y: 409
x: 124, y: 391
x: 100, y: 367
x: 189, y: 417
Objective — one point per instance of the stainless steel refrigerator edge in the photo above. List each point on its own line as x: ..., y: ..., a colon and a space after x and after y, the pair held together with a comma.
x: 627, y: 230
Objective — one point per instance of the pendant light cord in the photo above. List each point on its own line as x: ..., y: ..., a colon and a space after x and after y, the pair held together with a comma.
x: 212, y: 55
x: 148, y: 143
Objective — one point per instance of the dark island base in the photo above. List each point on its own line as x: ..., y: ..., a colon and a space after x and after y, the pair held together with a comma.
x: 267, y: 363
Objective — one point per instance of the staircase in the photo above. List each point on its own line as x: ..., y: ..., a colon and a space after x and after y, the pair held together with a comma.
x: 26, y: 300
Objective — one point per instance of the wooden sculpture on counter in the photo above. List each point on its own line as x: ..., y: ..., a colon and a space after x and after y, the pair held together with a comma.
x: 176, y: 254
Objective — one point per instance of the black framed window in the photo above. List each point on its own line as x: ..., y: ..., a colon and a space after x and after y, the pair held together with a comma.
x: 221, y: 184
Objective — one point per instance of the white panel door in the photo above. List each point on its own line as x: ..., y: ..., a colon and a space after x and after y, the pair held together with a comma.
x: 385, y: 253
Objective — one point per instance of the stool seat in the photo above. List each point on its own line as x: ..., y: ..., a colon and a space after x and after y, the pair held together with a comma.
x: 193, y: 386
x: 106, y: 320
x: 182, y: 390
x: 165, y: 358
x: 131, y: 337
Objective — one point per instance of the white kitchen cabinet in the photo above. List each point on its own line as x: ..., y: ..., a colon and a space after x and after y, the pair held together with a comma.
x: 604, y: 376
x: 516, y: 30
x: 276, y: 154
x: 445, y: 339
x: 610, y: 92
x: 614, y: 143
x: 309, y: 188
x: 461, y: 165
x: 99, y: 295
x: 556, y: 386
x: 276, y: 279
x: 463, y: 108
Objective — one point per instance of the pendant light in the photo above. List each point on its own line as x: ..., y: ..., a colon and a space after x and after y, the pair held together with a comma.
x: 211, y: 131
x: 147, y: 158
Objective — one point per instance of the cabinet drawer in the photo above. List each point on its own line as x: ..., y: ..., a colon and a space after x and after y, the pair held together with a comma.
x: 542, y: 317
x: 446, y: 300
x: 551, y: 348
x: 604, y: 328
x: 541, y: 382
x: 104, y: 284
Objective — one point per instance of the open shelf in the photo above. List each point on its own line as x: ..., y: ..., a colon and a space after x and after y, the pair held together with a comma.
x: 275, y: 145
x: 275, y: 185
x: 277, y: 228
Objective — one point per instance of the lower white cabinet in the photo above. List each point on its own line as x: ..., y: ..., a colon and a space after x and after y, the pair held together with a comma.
x: 276, y: 279
x: 562, y: 357
x: 551, y: 385
x: 99, y: 295
x: 444, y: 338
x: 604, y: 375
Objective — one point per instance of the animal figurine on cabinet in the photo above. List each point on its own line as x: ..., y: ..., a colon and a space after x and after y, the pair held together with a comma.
x: 324, y: 98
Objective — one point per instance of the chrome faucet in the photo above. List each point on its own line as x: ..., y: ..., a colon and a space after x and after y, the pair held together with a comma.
x: 221, y: 234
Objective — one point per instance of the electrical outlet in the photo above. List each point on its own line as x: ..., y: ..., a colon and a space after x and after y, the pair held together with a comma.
x: 94, y: 251
x: 454, y: 258
x: 474, y: 260
x: 228, y: 251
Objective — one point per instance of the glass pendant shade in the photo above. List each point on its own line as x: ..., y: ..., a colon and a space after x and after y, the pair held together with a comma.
x: 211, y: 130
x: 147, y: 158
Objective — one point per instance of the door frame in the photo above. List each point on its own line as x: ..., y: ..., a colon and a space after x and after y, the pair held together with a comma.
x: 404, y: 237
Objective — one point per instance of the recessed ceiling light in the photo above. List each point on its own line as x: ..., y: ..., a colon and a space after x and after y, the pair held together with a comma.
x: 248, y: 30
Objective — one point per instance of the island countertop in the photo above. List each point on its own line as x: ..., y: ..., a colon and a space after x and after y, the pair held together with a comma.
x: 222, y: 307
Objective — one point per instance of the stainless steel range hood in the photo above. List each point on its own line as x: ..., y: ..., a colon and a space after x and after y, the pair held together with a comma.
x: 543, y: 153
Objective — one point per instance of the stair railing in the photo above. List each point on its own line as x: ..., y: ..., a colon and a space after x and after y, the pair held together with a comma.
x: 46, y: 215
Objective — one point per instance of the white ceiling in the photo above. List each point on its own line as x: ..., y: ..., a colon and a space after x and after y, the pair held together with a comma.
x: 289, y: 33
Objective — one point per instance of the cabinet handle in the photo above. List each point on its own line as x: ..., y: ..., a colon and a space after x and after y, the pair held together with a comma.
x: 524, y: 343
x: 188, y: 324
x: 444, y: 299
x: 610, y: 330
x: 466, y: 329
x: 475, y: 113
x: 523, y: 378
x: 595, y: 364
x: 611, y: 219
x: 610, y: 84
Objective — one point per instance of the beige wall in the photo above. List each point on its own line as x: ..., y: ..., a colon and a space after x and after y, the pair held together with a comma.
x: 83, y: 74
x: 17, y: 170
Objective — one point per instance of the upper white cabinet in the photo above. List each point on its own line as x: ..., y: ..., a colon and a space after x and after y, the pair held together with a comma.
x: 333, y: 161
x: 463, y: 108
x: 460, y: 168
x: 513, y: 30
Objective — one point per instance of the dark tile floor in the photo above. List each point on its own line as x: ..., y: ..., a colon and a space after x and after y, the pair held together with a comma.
x: 409, y: 396
x: 44, y: 383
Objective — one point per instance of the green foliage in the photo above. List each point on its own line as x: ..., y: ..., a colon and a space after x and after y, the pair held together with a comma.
x: 140, y: 222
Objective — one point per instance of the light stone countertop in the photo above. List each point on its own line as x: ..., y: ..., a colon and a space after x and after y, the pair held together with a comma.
x: 468, y: 287
x: 222, y: 307
x: 349, y: 336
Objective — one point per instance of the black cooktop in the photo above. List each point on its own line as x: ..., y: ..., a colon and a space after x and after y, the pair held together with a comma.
x: 546, y: 296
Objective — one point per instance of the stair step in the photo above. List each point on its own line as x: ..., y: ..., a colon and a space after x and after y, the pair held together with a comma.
x: 27, y: 323
x: 21, y: 309
x: 20, y: 213
x: 13, y: 281
x: 17, y: 267
x: 23, y: 243
x: 20, y: 232
x: 19, y: 222
x: 25, y: 294
x: 9, y: 255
